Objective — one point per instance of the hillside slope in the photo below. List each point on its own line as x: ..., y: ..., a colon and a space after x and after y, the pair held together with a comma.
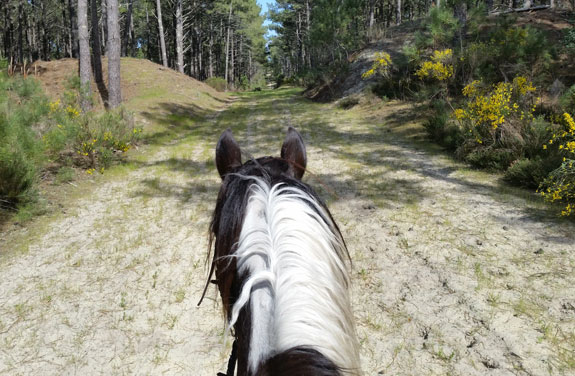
x: 395, y: 38
x: 140, y: 79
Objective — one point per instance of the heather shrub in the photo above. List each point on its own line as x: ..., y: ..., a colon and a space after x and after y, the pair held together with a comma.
x: 218, y: 83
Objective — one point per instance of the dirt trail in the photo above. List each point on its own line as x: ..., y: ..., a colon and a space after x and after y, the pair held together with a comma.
x: 452, y: 274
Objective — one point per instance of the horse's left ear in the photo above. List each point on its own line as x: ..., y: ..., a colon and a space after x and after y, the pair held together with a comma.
x: 228, y: 153
x: 293, y: 151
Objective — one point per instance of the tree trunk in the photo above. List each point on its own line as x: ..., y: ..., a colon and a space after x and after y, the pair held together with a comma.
x: 200, y: 53
x: 460, y: 14
x: 73, y: 35
x: 85, y: 66
x: 127, y: 29
x: 20, y: 33
x: 398, y: 13
x: 489, y: 5
x: 210, y: 52
x: 30, y: 39
x: 228, y: 43
x: 250, y: 65
x: 161, y: 31
x: 104, y: 26
x: 148, y: 33
x: 308, y: 30
x: 96, y: 48
x: 9, y: 35
x: 232, y: 62
x: 371, y: 17
x: 45, y: 53
x: 179, y: 37
x: 114, y: 51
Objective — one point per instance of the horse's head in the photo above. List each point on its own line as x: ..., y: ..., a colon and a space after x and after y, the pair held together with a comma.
x: 292, y: 162
x: 231, y: 203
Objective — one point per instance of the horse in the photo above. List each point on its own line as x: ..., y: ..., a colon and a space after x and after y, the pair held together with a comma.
x: 281, y: 267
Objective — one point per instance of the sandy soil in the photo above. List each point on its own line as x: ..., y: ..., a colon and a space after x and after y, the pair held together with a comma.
x: 452, y: 274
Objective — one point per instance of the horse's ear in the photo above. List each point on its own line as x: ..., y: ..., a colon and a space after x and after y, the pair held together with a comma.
x: 228, y: 153
x: 293, y: 151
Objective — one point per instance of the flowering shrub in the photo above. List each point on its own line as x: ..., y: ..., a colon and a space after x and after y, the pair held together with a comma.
x: 489, y: 108
x: 438, y: 68
x: 93, y: 139
x: 560, y: 184
x: 381, y: 65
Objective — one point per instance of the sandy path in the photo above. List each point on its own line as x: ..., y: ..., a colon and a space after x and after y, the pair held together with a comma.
x: 451, y: 274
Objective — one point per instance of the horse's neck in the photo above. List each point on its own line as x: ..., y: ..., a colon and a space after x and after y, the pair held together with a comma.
x: 294, y: 280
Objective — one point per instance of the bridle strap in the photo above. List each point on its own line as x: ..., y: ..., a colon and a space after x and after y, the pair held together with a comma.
x: 231, y: 361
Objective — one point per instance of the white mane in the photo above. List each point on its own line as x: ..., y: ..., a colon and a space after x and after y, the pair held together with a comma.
x: 298, y: 283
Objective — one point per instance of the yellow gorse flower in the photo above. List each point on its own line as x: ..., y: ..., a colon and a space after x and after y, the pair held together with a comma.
x: 488, y: 108
x: 561, y: 182
x: 54, y: 106
x: 72, y: 111
x: 381, y: 64
x: 471, y: 89
x: 438, y: 67
x: 566, y: 138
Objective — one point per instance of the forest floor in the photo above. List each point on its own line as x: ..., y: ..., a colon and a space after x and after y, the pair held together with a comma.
x: 453, y: 272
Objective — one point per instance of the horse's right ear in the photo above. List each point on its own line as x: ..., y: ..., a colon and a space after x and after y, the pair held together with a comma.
x: 293, y: 151
x: 228, y: 153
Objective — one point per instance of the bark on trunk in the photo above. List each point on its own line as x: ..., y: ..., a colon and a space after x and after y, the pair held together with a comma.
x: 114, y: 50
x: 127, y: 30
x: 210, y: 52
x: 228, y: 43
x: 161, y: 31
x: 104, y: 26
x: 179, y: 37
x: 20, y: 34
x: 73, y: 34
x: 232, y: 62
x: 85, y: 66
x: 371, y: 17
x: 96, y: 48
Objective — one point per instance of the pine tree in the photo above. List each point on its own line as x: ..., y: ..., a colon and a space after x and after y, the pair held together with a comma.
x: 84, y: 44
x: 114, y: 51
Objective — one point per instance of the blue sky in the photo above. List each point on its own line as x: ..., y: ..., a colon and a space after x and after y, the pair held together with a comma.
x: 264, y: 4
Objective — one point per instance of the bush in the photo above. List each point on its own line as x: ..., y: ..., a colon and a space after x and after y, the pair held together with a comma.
x: 20, y: 148
x: 217, y: 83
x: 92, y: 140
x: 18, y: 175
x: 560, y: 186
x: 490, y: 158
x: 65, y: 174
x: 568, y: 41
x: 34, y: 131
x: 441, y: 129
x: 497, y: 114
x: 567, y: 100
x: 348, y: 102
x: 508, y: 51
x: 441, y: 27
x: 530, y: 173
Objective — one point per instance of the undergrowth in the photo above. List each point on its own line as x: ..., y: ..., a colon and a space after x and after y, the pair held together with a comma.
x: 484, y: 82
x: 39, y: 138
